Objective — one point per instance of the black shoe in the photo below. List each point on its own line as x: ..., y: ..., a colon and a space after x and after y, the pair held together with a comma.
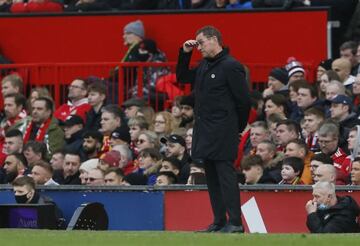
x: 229, y: 228
x: 213, y: 228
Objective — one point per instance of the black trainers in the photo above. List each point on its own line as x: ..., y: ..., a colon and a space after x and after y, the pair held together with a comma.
x: 213, y: 228
x: 228, y: 228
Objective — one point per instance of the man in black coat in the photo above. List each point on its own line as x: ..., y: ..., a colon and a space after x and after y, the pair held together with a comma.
x: 328, y: 213
x: 222, y: 105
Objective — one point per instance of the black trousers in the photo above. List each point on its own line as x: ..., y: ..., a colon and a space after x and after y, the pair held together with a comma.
x: 223, y: 191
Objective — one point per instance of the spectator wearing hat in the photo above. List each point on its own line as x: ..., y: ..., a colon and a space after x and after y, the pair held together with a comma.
x: 324, y: 65
x: 134, y: 179
x: 97, y: 99
x: 187, y: 111
x: 149, y: 163
x: 295, y: 70
x: 348, y: 50
x: 176, y: 147
x: 85, y: 167
x: 341, y: 112
x: 120, y: 136
x: 291, y: 171
x: 92, y: 145
x: 277, y: 81
x: 132, y: 106
x: 342, y: 67
x: 126, y: 163
x: 109, y: 159
x: 77, y: 103
x: 73, y: 130
x: 197, y: 174
x: 166, y: 178
x: 134, y: 33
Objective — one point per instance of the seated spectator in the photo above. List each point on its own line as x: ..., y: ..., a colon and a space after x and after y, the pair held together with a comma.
x: 92, y: 145
x: 134, y: 179
x: 87, y: 6
x: 136, y: 125
x: 132, y: 106
x: 171, y: 164
x: 149, y: 162
x: 85, y: 167
x: 163, y: 124
x: 13, y: 142
x: 126, y: 163
x: 342, y: 67
x: 15, y: 111
x: 356, y: 93
x: 295, y: 70
x: 317, y: 160
x: 353, y: 142
x: 147, y: 139
x: 322, y: 68
x: 187, y: 104
x: 57, y: 159
x: 176, y: 110
x: 276, y: 104
x: 148, y: 113
x: 70, y: 173
x: 253, y: 169
x: 15, y: 166
x: 258, y: 132
x: 355, y: 172
x: 166, y: 178
x: 325, y: 80
x: 108, y: 160
x: 328, y: 213
x: 291, y: 171
x: 95, y: 177
x: 286, y: 131
x: 34, y: 94
x: 120, y: 136
x: 188, y: 139
x: 73, y: 131
x: 326, y: 173
x: 197, y: 174
x: 11, y: 84
x: 113, y: 176
x: 272, y: 122
x: 34, y: 151
x: 277, y: 81
x: 333, y: 89
x: 313, y: 118
x: 77, y: 103
x: 37, y: 6
x: 96, y: 99
x: 42, y: 173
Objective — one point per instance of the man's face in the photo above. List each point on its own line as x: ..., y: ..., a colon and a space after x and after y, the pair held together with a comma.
x: 187, y: 112
x: 134, y: 132
x: 188, y: 138
x: 95, y: 177
x: 283, y: 135
x: 304, y: 98
x: 168, y: 167
x: 31, y: 156
x: 355, y: 173
x: 314, y: 166
x: 338, y: 111
x: 312, y: 123
x: 112, y: 179
x: 341, y: 70
x: 10, y: 108
x: 13, y: 145
x: 323, y: 174
x: 257, y: 135
x: 352, y: 140
x: 356, y: 86
x: 109, y: 122
x: 95, y: 98
x: 89, y: 145
x: 71, y: 165
x: 11, y: 164
x: 162, y: 180
x: 77, y: 90
x: 131, y: 111
x: 328, y: 144
x: 40, y: 175
x: 347, y: 54
x: 296, y: 76
x: 70, y: 130
x: 39, y: 112
x: 274, y: 84
x: 24, y: 190
x: 252, y: 174
x: 320, y: 196
x: 331, y: 92
x: 174, y: 149
x: 264, y: 152
x: 7, y: 88
x: 207, y: 46
x: 294, y: 150
x: 57, y: 161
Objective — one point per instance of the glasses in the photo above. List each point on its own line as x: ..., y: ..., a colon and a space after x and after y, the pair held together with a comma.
x: 76, y: 87
x: 91, y: 179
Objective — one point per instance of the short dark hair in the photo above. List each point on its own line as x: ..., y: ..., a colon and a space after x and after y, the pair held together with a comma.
x: 210, y: 31
x: 170, y: 175
x: 251, y: 161
x: 321, y: 157
x: 278, y: 100
x: 300, y: 143
x: 45, y: 166
x: 352, y: 45
x: 94, y: 134
x: 114, y: 110
x: 98, y: 86
x: 305, y: 85
x: 175, y: 162
x: 291, y: 125
x: 19, y: 99
x: 37, y: 147
x: 13, y: 133
x: 315, y: 111
x: 24, y: 181
x: 115, y: 170
x: 20, y: 157
x: 49, y: 104
x: 152, y: 152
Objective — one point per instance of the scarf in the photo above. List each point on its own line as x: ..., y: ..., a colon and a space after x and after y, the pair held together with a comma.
x: 40, y: 133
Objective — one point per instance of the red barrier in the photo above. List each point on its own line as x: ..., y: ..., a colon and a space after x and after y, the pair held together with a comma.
x: 253, y: 37
x: 281, y: 211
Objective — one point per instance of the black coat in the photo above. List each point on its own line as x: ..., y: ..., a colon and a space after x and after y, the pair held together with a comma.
x: 222, y: 104
x: 340, y: 218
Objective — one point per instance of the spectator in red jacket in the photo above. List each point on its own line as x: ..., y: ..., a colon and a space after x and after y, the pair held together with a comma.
x: 36, y: 6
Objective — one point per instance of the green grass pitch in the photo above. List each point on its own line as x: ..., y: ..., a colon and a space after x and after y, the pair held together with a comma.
x: 9, y: 237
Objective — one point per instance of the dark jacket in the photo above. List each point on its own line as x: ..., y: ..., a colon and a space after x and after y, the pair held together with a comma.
x: 70, y: 180
x: 340, y: 218
x: 222, y: 104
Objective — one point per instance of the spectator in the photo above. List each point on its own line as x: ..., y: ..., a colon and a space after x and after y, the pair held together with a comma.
x: 96, y: 99
x: 333, y: 89
x: 342, y: 67
x: 163, y: 124
x: 126, y: 163
x: 356, y: 93
x: 13, y: 142
x: 132, y: 106
x: 15, y: 166
x: 325, y: 172
x: 134, y: 179
x: 134, y: 33
x: 15, y: 111
x: 37, y: 6
x: 348, y: 51
x: 149, y: 162
x: 253, y: 169
x: 197, y: 174
x: 276, y: 104
x: 34, y: 151
x: 171, y: 164
x: 88, y: 6
x: 108, y: 160
x: 42, y: 173
x: 166, y: 178
x: 70, y: 173
x: 85, y: 167
x: 354, y: 142
x: 328, y: 213
x: 92, y: 144
x: 187, y: 111
x: 113, y: 176
x: 355, y: 172
x: 95, y: 176
x: 77, y: 103
x: 34, y: 94
x: 188, y: 140
x: 258, y: 132
x: 57, y: 159
x: 10, y: 84
x: 295, y: 70
x: 148, y: 113
x: 277, y: 81
x: 42, y: 126
x: 120, y: 136
x: 325, y: 80
x: 286, y: 131
x: 176, y: 110
x: 322, y: 68
x: 313, y: 118
x: 317, y: 160
x: 291, y: 171
x: 74, y: 131
x: 137, y: 125
x: 147, y: 139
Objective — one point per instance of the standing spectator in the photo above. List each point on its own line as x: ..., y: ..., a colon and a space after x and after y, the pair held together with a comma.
x: 77, y: 103
x: 328, y: 213
x: 96, y: 99
x: 221, y: 110
x: 348, y: 51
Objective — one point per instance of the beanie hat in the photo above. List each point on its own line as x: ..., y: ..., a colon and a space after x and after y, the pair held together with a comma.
x: 294, y: 66
x: 188, y: 100
x: 326, y: 64
x: 111, y: 158
x: 280, y: 74
x: 135, y: 27
x: 123, y: 133
x: 89, y: 164
x: 296, y: 163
